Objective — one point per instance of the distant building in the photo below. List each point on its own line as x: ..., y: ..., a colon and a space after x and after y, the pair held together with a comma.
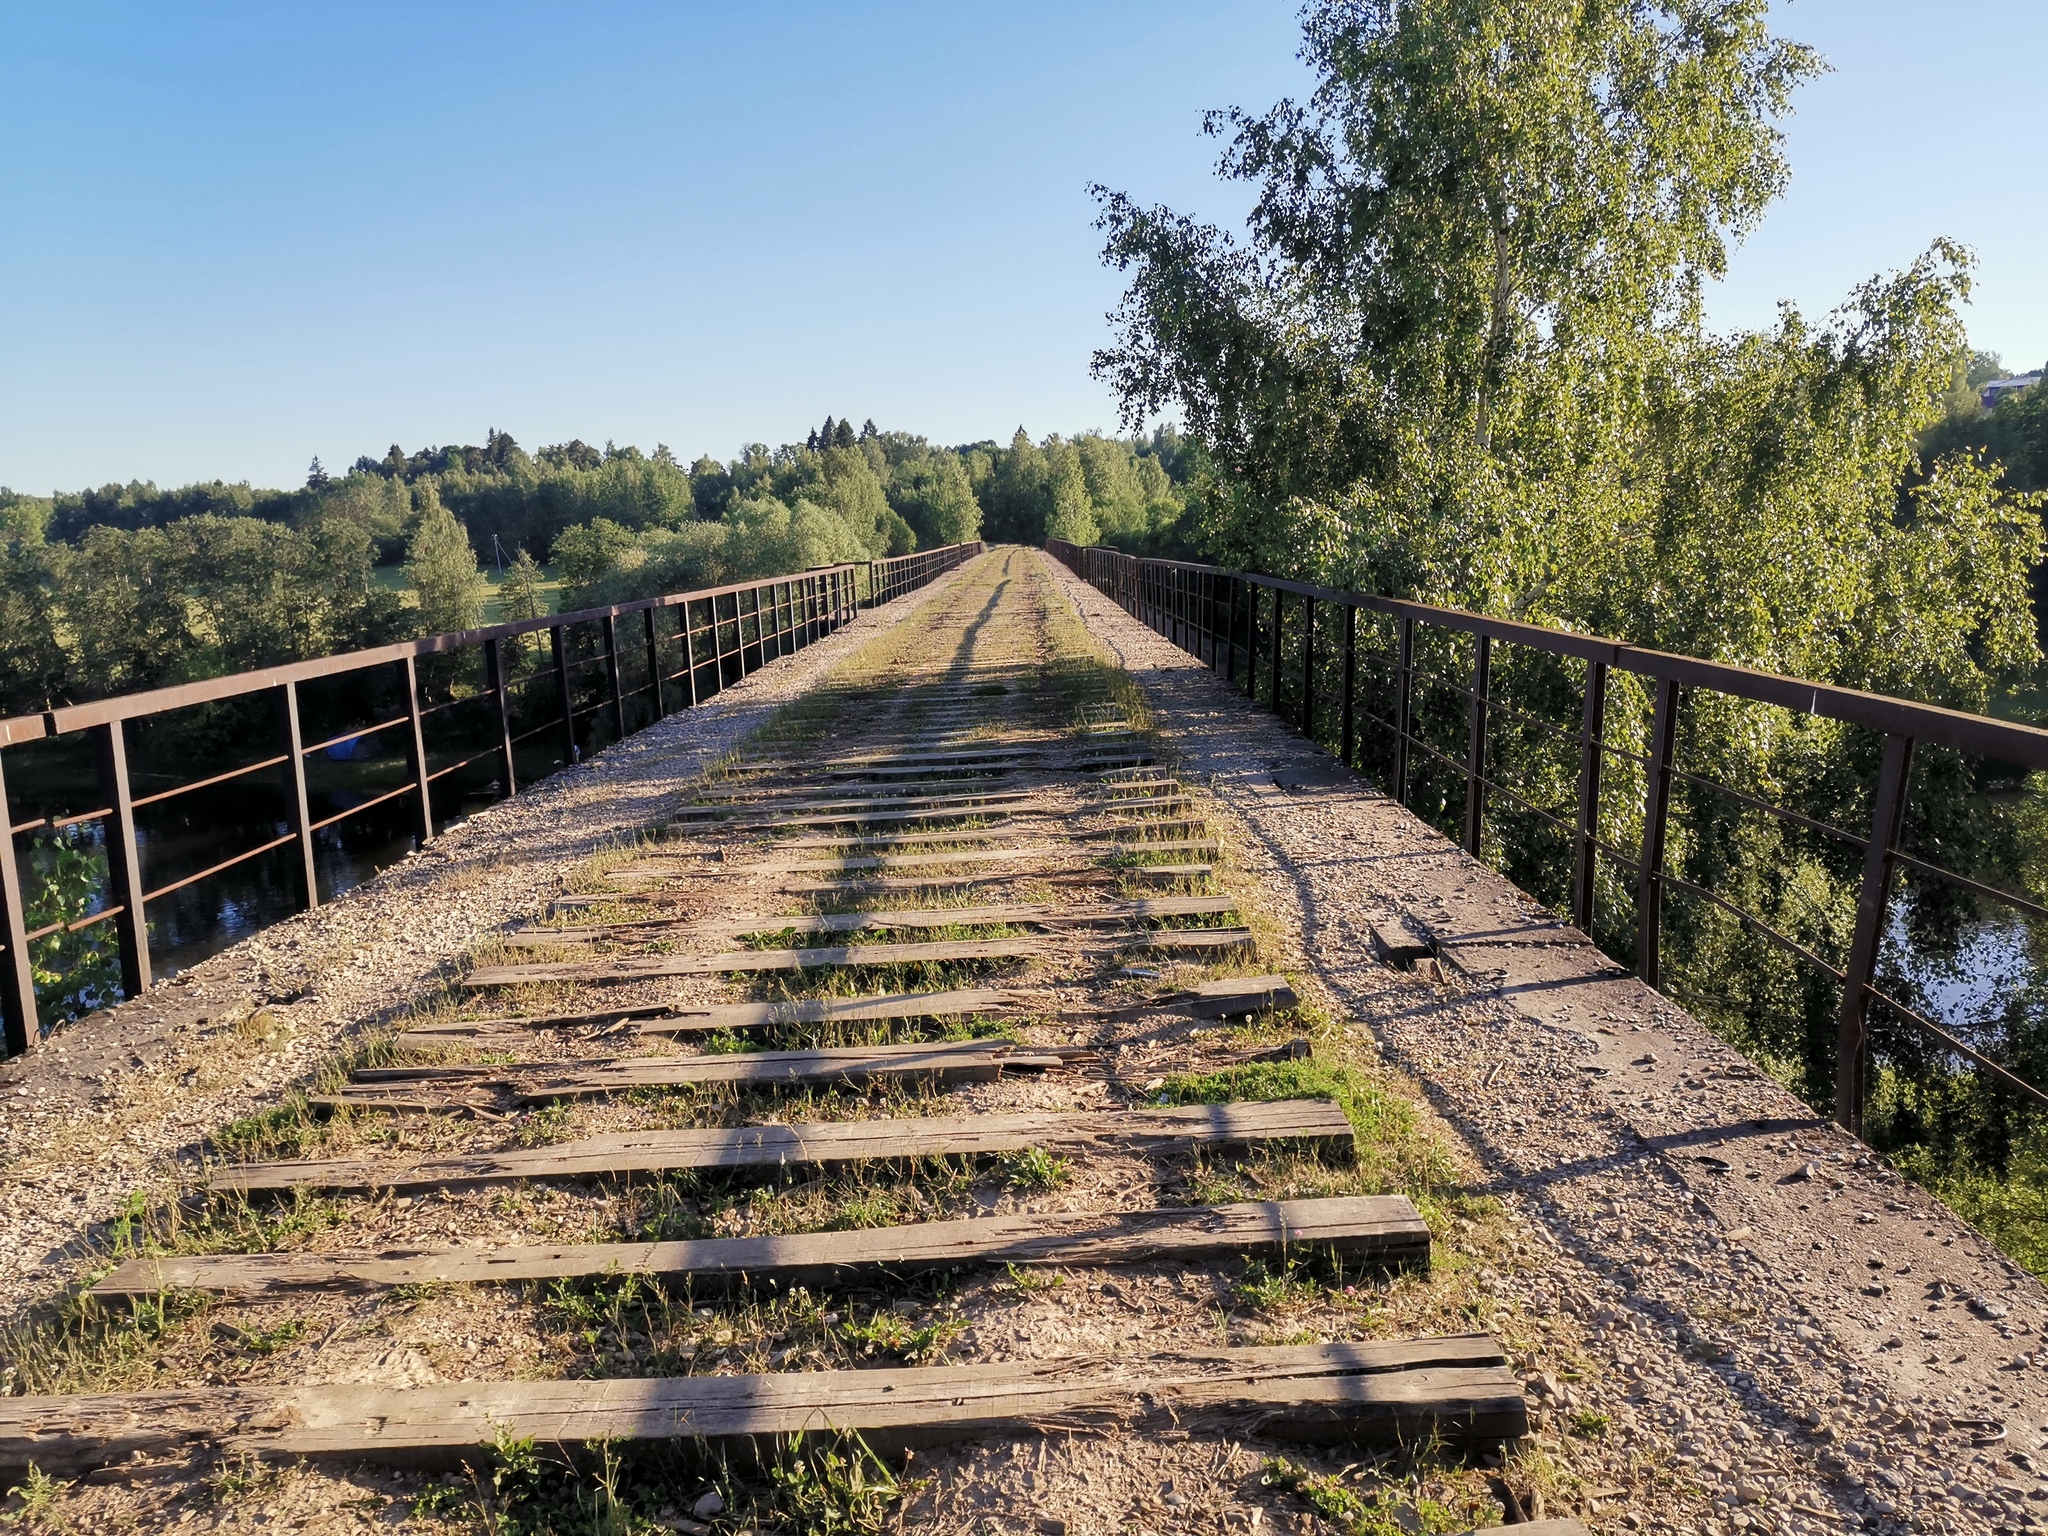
x: 1998, y: 389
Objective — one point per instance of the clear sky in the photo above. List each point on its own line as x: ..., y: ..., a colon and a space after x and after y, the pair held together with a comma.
x: 233, y: 236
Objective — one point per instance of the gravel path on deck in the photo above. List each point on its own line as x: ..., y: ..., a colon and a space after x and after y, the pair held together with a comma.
x: 1782, y: 1334
x: 111, y: 1103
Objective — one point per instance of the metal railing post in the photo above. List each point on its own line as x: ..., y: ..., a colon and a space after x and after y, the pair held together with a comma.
x: 1852, y: 1037
x: 559, y: 644
x: 416, y: 749
x: 1308, y: 667
x: 1475, y: 746
x: 1404, y: 695
x: 1592, y: 733
x: 689, y: 652
x: 1348, y: 726
x: 609, y: 626
x: 654, y: 664
x: 297, y: 806
x: 19, y: 1024
x: 124, y: 858
x: 1279, y: 625
x: 494, y: 676
x: 1663, y: 746
x: 1230, y: 634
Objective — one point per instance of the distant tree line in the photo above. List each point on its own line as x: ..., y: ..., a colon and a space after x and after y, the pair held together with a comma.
x: 131, y: 586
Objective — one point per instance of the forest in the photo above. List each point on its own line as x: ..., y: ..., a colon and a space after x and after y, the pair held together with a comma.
x: 127, y: 587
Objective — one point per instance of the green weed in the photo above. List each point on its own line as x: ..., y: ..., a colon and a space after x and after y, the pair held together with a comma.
x: 40, y: 1495
x: 1036, y: 1170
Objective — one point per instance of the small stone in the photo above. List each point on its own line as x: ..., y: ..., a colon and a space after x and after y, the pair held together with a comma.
x: 709, y: 1506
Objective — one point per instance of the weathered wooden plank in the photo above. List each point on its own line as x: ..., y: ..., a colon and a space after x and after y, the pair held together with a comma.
x: 1190, y: 940
x: 1537, y: 1528
x: 996, y: 813
x: 1235, y: 995
x: 759, y: 796
x: 946, y: 1061
x: 1147, y: 909
x: 1450, y: 1391
x: 1379, y: 1229
x: 649, y: 967
x: 588, y: 1017
x: 1199, y: 845
x: 820, y: 1143
x: 924, y: 860
x: 693, y: 815
x: 816, y: 1010
x: 1151, y: 802
x: 1397, y: 939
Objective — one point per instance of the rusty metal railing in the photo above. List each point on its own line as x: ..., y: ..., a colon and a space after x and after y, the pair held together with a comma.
x: 718, y: 636
x: 1237, y: 623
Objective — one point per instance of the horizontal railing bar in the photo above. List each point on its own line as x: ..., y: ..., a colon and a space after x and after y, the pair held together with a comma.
x: 1775, y: 810
x: 1912, y: 1016
x: 240, y: 858
x: 77, y: 717
x: 2033, y: 908
x: 1751, y: 920
x: 442, y: 773
x: 354, y: 735
x: 403, y: 789
x: 1980, y: 734
x: 219, y: 778
x: 84, y: 922
x: 59, y: 823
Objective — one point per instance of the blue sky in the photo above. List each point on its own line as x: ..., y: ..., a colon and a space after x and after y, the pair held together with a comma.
x: 238, y: 235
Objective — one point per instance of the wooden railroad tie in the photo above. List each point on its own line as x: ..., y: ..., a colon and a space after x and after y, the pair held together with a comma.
x: 763, y: 1148
x: 1382, y: 1230
x: 1453, y: 1391
x: 944, y: 1062
x: 742, y: 924
x: 649, y: 967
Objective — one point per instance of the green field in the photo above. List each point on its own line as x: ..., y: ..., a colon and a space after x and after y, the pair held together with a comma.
x: 392, y: 579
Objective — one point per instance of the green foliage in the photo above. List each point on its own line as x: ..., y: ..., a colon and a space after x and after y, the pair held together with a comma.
x: 1036, y: 1170
x: 1458, y: 356
x: 75, y: 972
x: 443, y: 570
x: 835, y: 1489
x: 39, y: 1495
x: 1383, y: 1512
x: 125, y: 610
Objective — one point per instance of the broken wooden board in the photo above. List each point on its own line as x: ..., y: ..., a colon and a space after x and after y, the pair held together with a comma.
x: 1397, y: 939
x: 1151, y: 802
x: 1537, y: 1528
x: 458, y: 1028
x: 822, y: 1010
x: 1199, y: 845
x: 1452, y: 1391
x: 1190, y: 940
x: 1379, y: 1229
x: 648, y: 967
x: 1317, y: 1122
x: 1234, y: 995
